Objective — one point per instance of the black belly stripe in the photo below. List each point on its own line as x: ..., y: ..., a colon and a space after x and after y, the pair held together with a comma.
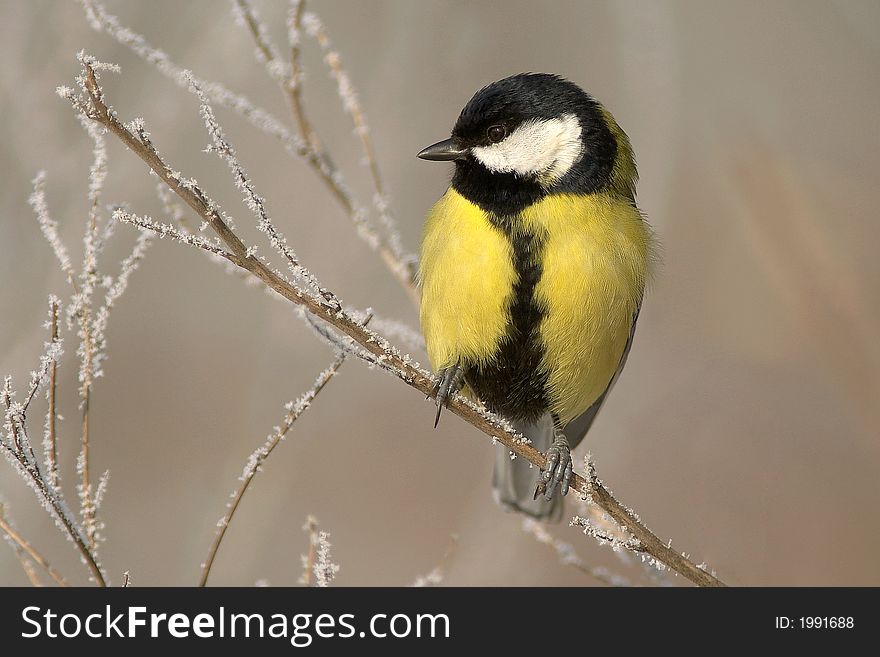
x: 511, y: 382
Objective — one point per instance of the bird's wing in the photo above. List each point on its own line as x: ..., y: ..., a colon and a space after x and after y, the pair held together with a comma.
x: 578, y: 427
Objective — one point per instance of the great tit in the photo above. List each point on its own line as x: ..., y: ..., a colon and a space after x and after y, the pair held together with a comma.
x: 533, y: 267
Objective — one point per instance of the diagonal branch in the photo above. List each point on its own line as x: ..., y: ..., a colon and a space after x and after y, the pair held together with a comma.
x: 256, y: 460
x: 391, y: 359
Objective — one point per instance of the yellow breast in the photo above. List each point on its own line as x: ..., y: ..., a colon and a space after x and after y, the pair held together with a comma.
x: 595, y: 262
x: 467, y: 277
x: 594, y: 253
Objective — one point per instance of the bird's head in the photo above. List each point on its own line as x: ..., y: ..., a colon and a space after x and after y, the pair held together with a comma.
x: 540, y: 133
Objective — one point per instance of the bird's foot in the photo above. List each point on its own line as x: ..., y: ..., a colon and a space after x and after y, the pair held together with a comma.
x: 451, y: 382
x: 558, y: 469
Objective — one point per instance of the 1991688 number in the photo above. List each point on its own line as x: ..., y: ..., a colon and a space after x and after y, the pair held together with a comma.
x: 826, y: 622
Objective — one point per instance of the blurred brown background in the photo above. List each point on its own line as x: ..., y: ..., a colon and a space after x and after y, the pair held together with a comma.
x: 745, y: 426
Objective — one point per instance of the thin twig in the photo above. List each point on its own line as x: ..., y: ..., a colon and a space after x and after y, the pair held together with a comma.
x: 18, y: 450
x: 325, y: 570
x: 255, y: 462
x: 290, y: 81
x: 20, y: 454
x: 85, y: 486
x: 294, y: 86
x: 51, y: 413
x: 402, y: 265
x: 53, y: 501
x: 391, y: 360
x: 49, y: 228
x: 403, y: 268
x: 30, y: 550
x: 346, y: 91
x: 83, y: 307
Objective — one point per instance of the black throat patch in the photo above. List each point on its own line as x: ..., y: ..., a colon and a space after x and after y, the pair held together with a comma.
x: 512, y: 383
x: 500, y: 194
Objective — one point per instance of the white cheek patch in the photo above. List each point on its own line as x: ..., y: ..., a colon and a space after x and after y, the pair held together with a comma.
x: 546, y: 148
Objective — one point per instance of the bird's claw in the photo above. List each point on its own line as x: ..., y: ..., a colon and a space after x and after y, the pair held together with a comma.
x: 451, y: 380
x: 557, y: 472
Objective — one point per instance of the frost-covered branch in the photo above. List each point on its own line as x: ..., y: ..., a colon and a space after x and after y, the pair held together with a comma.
x: 102, y: 21
x: 324, y: 569
x: 115, y: 289
x: 318, y: 568
x: 290, y: 79
x: 82, y: 311
x: 256, y: 460
x: 50, y: 440
x: 167, y: 230
x: 49, y: 226
x: 295, y: 84
x: 254, y: 202
x: 95, y: 107
x: 401, y: 265
x: 16, y: 447
x: 90, y: 323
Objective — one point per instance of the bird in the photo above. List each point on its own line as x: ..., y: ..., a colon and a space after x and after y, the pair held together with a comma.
x: 533, y: 267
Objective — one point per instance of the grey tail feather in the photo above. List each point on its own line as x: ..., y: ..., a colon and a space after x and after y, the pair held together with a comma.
x: 515, y: 480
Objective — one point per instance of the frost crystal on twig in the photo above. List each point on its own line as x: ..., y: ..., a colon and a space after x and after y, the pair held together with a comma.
x: 318, y: 568
x: 325, y: 570
x: 49, y: 226
x: 50, y: 447
x: 266, y: 53
x: 595, y: 522
x: 605, y: 538
x: 115, y: 290
x: 254, y: 202
x: 101, y: 490
x: 167, y: 230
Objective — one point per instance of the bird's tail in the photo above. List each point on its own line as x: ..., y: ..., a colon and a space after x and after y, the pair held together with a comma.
x: 515, y: 480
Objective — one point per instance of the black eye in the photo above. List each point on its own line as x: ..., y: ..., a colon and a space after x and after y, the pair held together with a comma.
x: 496, y: 133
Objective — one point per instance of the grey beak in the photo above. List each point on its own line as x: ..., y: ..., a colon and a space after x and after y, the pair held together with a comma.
x: 443, y: 151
